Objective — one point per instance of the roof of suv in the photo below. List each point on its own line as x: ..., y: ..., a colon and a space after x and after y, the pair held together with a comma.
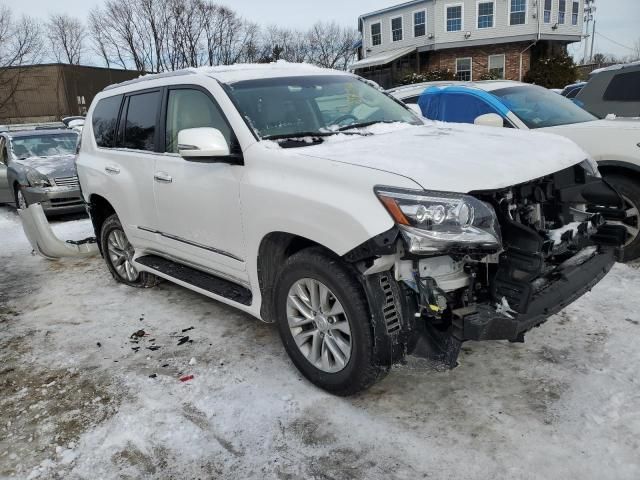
x: 38, y: 132
x: 239, y: 72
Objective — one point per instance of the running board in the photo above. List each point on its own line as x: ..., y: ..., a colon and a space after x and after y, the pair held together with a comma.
x: 205, y: 281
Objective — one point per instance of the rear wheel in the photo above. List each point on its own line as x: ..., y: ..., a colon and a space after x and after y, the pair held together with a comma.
x: 118, y: 254
x: 324, y: 323
x: 630, y: 192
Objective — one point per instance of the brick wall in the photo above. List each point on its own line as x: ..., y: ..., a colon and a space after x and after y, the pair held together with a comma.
x: 446, y: 59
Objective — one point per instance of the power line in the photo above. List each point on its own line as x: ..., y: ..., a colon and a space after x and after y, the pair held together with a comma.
x: 613, y: 41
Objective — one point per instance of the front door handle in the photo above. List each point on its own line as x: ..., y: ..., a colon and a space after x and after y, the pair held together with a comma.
x: 112, y: 169
x: 163, y: 177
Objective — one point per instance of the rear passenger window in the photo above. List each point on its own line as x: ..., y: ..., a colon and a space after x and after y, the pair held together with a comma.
x: 459, y: 108
x: 624, y: 87
x: 139, y: 130
x: 190, y: 108
x: 105, y: 118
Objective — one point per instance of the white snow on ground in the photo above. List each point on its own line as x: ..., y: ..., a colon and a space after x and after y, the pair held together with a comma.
x: 566, y: 404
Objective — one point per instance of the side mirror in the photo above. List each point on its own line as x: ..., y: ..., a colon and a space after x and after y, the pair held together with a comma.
x: 415, y: 108
x: 202, y: 143
x: 489, y: 120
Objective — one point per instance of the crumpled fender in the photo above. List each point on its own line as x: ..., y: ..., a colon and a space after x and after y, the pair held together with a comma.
x: 45, y: 243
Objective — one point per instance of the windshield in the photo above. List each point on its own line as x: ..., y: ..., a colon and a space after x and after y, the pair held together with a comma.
x: 44, y: 145
x: 538, y: 107
x: 314, y: 105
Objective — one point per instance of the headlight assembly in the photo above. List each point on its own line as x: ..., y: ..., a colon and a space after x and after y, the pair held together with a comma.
x: 441, y: 221
x: 37, y: 179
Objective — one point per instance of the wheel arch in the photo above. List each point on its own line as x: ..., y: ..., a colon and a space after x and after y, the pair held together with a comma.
x: 99, y: 210
x: 615, y: 167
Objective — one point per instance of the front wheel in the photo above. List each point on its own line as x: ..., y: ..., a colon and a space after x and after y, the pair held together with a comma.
x: 629, y: 189
x: 21, y: 201
x: 118, y: 254
x: 324, y: 323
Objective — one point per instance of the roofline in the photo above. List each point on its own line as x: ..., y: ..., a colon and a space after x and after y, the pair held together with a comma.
x: 391, y: 9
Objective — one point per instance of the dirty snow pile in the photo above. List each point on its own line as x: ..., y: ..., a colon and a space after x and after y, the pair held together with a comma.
x: 99, y: 380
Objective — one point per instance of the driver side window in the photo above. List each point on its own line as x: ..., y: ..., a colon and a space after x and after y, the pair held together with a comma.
x: 191, y: 108
x: 461, y: 108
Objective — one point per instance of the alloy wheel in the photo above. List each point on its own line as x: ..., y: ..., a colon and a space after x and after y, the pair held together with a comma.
x: 22, y: 202
x: 121, y: 255
x: 319, y: 325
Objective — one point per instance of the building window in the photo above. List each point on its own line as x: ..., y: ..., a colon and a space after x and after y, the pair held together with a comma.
x: 547, y: 11
x: 454, y: 18
x: 396, y: 29
x: 463, y: 69
x: 419, y: 23
x: 376, y: 34
x: 562, y: 8
x: 574, y: 13
x: 496, y: 65
x: 518, y: 12
x: 485, y: 15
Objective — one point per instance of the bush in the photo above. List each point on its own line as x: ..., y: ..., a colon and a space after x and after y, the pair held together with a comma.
x: 491, y: 75
x: 430, y: 76
x: 553, y: 72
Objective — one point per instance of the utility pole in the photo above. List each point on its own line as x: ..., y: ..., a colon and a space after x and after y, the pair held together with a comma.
x: 593, y: 37
x: 589, y: 11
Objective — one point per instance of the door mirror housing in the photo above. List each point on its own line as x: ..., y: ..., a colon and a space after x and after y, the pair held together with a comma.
x: 489, y: 120
x: 202, y: 144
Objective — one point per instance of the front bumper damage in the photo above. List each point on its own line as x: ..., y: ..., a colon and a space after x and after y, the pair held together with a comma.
x: 55, y: 200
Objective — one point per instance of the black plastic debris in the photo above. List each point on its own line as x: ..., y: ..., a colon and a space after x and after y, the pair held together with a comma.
x: 165, y: 365
x: 153, y: 348
x: 135, y: 349
x: 187, y: 329
x: 153, y: 375
x: 98, y: 344
x: 137, y: 334
x: 183, y: 340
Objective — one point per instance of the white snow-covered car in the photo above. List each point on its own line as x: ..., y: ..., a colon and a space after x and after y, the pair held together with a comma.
x: 614, y: 143
x: 309, y: 198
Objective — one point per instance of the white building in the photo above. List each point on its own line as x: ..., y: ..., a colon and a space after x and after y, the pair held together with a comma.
x: 468, y: 37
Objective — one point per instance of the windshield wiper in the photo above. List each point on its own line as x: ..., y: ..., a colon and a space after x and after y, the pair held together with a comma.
x: 363, y: 124
x: 297, y: 135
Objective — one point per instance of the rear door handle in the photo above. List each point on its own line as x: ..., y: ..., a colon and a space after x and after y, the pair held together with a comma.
x: 163, y: 177
x: 112, y: 169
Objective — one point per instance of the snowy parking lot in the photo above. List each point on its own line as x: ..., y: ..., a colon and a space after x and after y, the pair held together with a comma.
x: 90, y: 388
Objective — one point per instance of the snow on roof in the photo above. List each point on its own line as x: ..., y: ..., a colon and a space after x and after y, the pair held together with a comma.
x: 241, y: 71
x: 417, y: 88
x: 619, y: 66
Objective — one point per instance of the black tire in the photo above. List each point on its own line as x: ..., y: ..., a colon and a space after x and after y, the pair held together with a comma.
x: 362, y: 370
x: 144, y: 279
x: 630, y: 189
x: 17, y: 190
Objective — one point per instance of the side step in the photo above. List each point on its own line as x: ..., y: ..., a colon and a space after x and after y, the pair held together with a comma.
x: 197, y: 278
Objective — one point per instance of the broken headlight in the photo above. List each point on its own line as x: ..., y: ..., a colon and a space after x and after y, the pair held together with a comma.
x: 441, y: 221
x: 37, y: 179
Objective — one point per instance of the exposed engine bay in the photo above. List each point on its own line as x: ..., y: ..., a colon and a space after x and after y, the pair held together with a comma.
x: 554, y: 245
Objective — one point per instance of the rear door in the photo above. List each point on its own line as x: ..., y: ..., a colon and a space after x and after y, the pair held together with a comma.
x: 6, y: 193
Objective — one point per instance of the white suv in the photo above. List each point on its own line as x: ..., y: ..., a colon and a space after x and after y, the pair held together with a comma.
x: 310, y: 198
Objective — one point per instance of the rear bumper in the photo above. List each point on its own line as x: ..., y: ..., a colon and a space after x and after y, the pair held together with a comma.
x: 569, y: 283
x: 56, y: 200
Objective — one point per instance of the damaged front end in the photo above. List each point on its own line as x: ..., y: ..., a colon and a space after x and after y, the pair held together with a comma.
x: 489, y: 265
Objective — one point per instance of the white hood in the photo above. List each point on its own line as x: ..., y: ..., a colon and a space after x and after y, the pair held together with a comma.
x: 453, y: 157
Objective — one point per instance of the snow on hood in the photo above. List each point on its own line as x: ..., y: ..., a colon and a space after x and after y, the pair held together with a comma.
x: 54, y: 166
x: 618, y: 123
x: 453, y: 157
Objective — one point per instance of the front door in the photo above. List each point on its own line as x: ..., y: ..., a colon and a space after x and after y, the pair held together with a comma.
x: 6, y: 192
x: 198, y: 204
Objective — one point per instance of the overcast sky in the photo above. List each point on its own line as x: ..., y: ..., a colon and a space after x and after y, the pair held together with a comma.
x: 619, y: 20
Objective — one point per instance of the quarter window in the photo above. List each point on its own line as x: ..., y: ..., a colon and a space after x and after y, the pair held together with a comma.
x: 562, y: 9
x: 485, y: 15
x: 140, y: 124
x: 518, y: 14
x: 105, y: 119
x: 574, y: 13
x: 396, y: 29
x: 463, y: 69
x: 376, y: 34
x: 190, y: 108
x: 547, y: 11
x: 496, y: 65
x: 419, y: 23
x: 624, y: 87
x: 454, y: 18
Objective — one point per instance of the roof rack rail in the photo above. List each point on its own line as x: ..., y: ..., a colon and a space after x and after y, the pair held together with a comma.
x: 151, y: 76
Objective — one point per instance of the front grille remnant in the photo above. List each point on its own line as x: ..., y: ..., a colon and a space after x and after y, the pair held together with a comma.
x: 67, y: 181
x: 389, y: 309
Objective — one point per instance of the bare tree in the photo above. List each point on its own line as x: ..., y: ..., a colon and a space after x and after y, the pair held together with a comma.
x: 636, y: 50
x: 20, y: 45
x: 332, y: 46
x: 284, y: 44
x: 67, y: 36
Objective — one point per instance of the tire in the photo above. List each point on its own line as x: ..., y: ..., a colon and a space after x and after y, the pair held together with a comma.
x: 630, y: 191
x: 21, y: 201
x: 110, y: 231
x: 345, y: 294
